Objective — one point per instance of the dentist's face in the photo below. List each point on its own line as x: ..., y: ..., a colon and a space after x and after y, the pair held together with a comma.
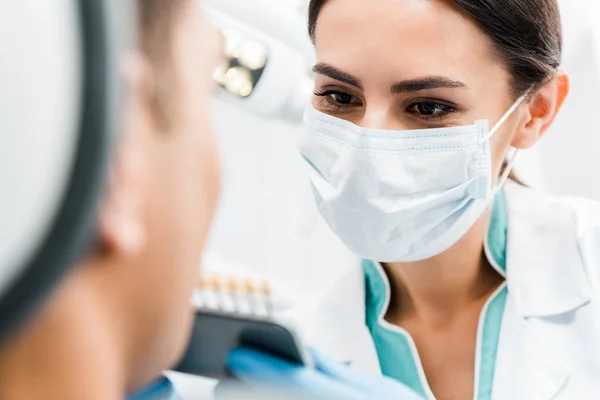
x: 409, y: 64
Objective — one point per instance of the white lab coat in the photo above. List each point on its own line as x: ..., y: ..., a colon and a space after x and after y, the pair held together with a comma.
x: 549, y: 346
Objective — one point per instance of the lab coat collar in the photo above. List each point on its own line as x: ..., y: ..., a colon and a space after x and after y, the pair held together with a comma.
x: 532, y: 241
x: 528, y: 365
x: 545, y: 269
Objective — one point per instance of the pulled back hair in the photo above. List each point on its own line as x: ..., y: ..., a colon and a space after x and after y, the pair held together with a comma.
x: 527, y: 35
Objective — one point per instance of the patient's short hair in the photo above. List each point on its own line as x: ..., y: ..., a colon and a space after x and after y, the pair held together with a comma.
x: 157, y: 22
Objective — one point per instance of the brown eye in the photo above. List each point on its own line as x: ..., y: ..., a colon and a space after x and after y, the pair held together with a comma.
x: 336, y: 99
x: 428, y: 110
x: 342, y: 98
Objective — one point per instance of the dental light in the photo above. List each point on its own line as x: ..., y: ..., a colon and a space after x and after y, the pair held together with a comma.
x: 267, y: 66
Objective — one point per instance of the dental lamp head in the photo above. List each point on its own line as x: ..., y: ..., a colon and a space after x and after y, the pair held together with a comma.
x: 266, y: 70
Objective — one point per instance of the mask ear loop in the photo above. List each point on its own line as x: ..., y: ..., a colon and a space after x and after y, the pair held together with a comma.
x: 505, y: 117
x: 512, y: 152
x: 510, y: 163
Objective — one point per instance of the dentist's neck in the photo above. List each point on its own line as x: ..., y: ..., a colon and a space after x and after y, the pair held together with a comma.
x: 68, y: 351
x: 437, y: 289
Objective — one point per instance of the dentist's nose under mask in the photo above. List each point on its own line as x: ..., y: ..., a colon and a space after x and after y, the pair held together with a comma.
x: 400, y: 196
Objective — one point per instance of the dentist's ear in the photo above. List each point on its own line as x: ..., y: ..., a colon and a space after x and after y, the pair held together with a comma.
x: 121, y: 218
x: 542, y: 109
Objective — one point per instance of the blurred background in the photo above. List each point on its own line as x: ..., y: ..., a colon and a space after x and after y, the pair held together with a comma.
x: 267, y: 222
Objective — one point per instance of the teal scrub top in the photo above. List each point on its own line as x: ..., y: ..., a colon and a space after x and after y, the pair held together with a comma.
x: 396, y: 350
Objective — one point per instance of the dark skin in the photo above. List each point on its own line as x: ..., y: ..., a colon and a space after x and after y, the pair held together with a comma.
x: 430, y: 67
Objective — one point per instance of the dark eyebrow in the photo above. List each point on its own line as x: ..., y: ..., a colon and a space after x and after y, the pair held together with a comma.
x: 430, y: 82
x: 334, y: 73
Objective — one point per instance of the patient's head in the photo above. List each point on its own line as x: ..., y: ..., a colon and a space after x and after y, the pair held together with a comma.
x: 164, y: 184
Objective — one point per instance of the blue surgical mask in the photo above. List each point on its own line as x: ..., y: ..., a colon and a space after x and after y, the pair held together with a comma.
x: 400, y: 196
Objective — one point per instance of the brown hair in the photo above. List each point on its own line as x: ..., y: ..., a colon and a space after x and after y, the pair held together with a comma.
x: 527, y: 35
x: 157, y: 21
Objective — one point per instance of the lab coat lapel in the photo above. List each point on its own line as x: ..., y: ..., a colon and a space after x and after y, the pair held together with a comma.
x: 545, y: 277
x: 527, y: 366
x: 542, y: 373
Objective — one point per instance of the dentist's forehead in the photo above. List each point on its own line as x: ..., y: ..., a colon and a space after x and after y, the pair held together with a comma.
x: 408, y: 37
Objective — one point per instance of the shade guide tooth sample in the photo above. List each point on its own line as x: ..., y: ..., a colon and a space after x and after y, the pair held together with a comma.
x: 234, y: 294
x: 233, y: 311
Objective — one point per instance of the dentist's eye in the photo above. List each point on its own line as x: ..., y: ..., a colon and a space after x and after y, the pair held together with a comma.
x: 430, y: 110
x: 338, y: 99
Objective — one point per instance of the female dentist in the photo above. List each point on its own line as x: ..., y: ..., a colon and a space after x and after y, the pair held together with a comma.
x: 474, y: 286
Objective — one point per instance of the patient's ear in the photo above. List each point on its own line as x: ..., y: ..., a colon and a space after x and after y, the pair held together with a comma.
x: 121, y: 222
x: 542, y: 109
